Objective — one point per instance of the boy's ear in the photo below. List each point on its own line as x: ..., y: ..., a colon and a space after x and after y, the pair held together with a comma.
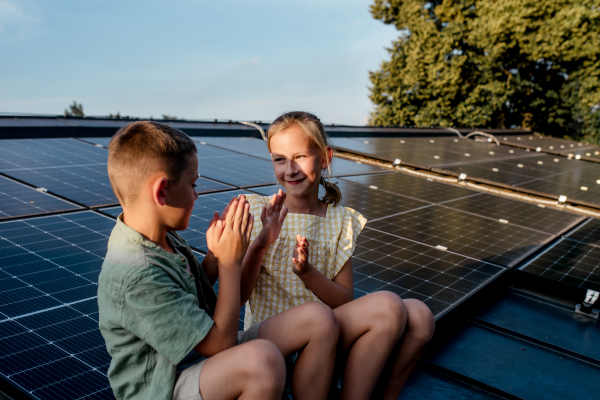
x: 158, y: 191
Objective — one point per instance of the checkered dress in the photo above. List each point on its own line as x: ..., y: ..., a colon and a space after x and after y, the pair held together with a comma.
x: 331, y: 243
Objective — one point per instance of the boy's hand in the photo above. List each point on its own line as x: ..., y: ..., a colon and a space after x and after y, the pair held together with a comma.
x: 300, y: 256
x: 230, y: 235
x: 272, y: 217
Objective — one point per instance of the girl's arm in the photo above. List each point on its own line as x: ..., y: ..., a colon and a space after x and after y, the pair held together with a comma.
x: 272, y: 217
x: 334, y: 293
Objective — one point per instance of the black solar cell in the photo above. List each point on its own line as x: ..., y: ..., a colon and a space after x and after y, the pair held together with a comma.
x: 18, y: 200
x: 468, y: 234
x: 413, y: 270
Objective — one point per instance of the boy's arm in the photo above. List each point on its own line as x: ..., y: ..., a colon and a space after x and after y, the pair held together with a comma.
x: 229, y: 242
x: 334, y: 293
x: 272, y: 217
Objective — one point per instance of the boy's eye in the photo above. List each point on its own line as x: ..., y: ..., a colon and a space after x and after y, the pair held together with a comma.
x: 194, y: 185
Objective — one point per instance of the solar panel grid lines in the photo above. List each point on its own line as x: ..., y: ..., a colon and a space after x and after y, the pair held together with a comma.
x: 569, y: 261
x: 441, y: 279
x: 19, y: 200
x: 50, y: 342
x: 588, y: 233
x: 86, y: 185
x: 38, y: 153
x: 374, y: 203
x: 516, y: 212
x: 415, y: 187
x: 244, y: 145
x: 428, y: 152
x: 464, y: 233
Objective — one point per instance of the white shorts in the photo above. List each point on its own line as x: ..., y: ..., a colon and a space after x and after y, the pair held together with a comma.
x: 187, y: 386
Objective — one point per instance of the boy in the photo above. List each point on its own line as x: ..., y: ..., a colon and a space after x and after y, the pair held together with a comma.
x: 169, y: 335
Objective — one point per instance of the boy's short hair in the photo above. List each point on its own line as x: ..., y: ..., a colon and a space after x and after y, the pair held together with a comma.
x: 143, y: 148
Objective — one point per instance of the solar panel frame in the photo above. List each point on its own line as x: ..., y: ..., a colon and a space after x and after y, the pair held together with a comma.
x: 588, y: 233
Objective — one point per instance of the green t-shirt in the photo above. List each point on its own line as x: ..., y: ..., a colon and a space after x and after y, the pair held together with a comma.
x: 150, y: 316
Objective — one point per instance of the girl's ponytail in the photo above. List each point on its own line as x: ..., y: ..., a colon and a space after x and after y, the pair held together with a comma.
x: 333, y: 194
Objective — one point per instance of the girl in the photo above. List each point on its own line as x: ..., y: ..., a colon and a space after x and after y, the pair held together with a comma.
x: 306, y: 256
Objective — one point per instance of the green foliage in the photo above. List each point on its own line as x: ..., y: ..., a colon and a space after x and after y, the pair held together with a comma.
x: 75, y: 110
x: 492, y: 63
x: 169, y: 117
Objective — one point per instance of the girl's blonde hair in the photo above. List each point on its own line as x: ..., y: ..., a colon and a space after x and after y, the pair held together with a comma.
x: 313, y: 128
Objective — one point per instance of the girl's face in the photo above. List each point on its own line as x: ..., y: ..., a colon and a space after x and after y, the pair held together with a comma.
x: 297, y: 161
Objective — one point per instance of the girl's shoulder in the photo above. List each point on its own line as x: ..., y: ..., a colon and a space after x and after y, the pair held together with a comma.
x: 349, y: 218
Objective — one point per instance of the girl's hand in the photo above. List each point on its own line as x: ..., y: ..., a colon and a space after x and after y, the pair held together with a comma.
x: 272, y: 217
x: 300, y: 256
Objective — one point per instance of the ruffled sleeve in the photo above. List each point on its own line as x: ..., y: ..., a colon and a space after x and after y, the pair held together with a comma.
x: 352, y: 224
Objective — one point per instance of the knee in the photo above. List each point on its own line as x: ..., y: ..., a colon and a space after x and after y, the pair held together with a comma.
x: 390, y: 309
x: 266, y: 363
x: 421, y: 323
x: 322, y: 320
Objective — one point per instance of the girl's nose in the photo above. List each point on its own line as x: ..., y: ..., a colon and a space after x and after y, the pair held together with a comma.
x: 291, y: 168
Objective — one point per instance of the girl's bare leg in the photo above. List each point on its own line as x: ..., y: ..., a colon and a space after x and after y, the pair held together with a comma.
x: 419, y: 331
x: 370, y: 327
x: 253, y: 370
x: 313, y: 328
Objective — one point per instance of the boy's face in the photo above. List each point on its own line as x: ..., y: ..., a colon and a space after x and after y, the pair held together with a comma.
x: 180, y: 197
x: 297, y: 161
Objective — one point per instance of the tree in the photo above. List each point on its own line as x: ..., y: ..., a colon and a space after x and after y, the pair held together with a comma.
x: 493, y: 63
x: 74, y: 110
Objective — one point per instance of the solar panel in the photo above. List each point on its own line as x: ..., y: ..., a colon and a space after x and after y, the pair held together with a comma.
x: 87, y: 185
x: 35, y: 153
x: 588, y: 233
x: 412, y: 186
x: 50, y: 344
x: 246, y: 145
x: 441, y: 279
x: 518, y: 212
x: 428, y: 152
x: 204, y: 209
x: 547, y: 143
x: 571, y: 262
x: 240, y: 170
x: 17, y: 200
x: 373, y: 203
x: 342, y: 167
x: 102, y: 141
x: 475, y: 236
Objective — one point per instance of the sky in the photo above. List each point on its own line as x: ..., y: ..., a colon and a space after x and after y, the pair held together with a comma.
x: 194, y: 59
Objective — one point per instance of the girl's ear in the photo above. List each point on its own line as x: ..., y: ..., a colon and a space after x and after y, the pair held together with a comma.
x: 328, y: 157
x: 158, y: 191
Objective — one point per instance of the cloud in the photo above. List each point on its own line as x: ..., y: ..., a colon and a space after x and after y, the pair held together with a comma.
x: 251, y: 61
x: 14, y: 19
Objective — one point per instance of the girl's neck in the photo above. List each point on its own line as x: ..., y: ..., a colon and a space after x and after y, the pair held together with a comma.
x: 311, y: 205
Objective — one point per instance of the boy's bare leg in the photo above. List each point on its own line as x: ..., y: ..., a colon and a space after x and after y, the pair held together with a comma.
x: 312, y: 328
x: 253, y: 370
x: 404, y: 357
x: 370, y: 326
